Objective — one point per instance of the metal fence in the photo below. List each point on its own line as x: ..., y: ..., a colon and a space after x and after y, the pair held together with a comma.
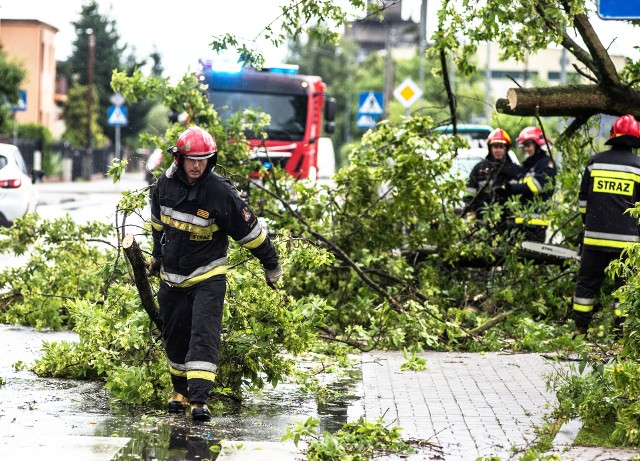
x: 97, y: 164
x: 100, y: 158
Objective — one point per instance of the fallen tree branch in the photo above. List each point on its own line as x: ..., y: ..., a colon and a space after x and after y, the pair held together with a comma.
x: 451, y: 97
x: 490, y: 323
x: 335, y: 249
x: 135, y: 258
x: 569, y: 101
x: 608, y: 75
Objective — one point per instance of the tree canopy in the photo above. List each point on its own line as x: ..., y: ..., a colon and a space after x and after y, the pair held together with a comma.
x: 109, y: 55
x: 11, y: 76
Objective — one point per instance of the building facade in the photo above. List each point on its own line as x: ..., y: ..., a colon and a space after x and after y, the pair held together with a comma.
x: 30, y: 43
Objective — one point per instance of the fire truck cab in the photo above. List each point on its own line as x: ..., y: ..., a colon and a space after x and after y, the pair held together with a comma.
x: 297, y: 105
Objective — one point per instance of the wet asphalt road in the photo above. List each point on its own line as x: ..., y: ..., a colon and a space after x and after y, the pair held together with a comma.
x: 72, y: 420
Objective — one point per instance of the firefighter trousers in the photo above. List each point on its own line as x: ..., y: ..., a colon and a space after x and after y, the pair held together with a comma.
x: 590, y: 278
x: 192, y: 325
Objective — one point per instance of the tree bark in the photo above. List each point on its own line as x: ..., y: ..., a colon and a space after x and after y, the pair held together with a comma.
x: 137, y: 261
x: 571, y: 101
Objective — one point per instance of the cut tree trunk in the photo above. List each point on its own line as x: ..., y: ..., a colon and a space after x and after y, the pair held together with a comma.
x: 137, y: 261
x: 570, y: 101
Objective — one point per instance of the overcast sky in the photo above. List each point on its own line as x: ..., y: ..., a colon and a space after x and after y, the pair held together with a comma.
x: 181, y: 30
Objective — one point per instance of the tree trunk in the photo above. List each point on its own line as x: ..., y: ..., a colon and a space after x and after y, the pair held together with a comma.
x: 571, y: 101
x: 134, y: 255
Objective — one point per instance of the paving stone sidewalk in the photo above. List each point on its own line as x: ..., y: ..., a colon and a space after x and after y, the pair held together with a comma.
x: 467, y: 405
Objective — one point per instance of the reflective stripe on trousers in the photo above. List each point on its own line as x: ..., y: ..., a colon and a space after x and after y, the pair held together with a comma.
x: 192, y: 325
x: 590, y: 278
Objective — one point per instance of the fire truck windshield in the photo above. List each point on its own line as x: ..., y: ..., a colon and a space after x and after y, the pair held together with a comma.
x: 288, y: 112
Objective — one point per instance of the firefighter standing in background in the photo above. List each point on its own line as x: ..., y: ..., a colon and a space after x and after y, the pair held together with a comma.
x: 610, y: 186
x: 193, y: 211
x: 491, y: 173
x: 537, y: 179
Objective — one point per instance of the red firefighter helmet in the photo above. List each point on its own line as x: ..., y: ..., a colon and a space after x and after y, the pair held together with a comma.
x: 532, y: 133
x: 625, y: 126
x: 195, y: 143
x: 499, y: 136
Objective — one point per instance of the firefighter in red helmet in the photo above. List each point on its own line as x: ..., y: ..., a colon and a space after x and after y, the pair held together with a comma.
x: 536, y: 181
x: 491, y: 173
x: 610, y: 187
x: 193, y: 213
x: 538, y: 168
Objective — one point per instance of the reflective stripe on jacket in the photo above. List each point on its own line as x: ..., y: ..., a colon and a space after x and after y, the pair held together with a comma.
x: 537, y: 177
x: 610, y: 186
x: 191, y: 224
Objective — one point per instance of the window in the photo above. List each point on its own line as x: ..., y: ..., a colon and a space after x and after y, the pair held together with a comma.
x: 288, y: 112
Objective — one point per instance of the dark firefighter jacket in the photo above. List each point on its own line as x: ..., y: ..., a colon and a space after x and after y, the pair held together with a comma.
x: 537, y: 172
x: 485, y: 177
x: 610, y: 186
x: 191, y: 225
x: 536, y: 179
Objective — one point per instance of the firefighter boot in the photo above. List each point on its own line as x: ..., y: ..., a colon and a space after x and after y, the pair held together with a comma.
x: 177, y: 403
x: 618, y: 327
x: 582, y: 321
x: 200, y: 412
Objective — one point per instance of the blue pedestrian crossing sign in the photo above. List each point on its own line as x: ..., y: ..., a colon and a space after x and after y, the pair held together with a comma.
x: 616, y: 9
x: 366, y: 121
x: 22, y: 101
x: 117, y: 115
x: 371, y: 103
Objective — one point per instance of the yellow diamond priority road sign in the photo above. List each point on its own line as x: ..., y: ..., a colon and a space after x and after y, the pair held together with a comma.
x: 407, y: 92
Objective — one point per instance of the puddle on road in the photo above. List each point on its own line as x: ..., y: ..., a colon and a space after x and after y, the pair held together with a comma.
x: 72, y: 410
x: 264, y: 417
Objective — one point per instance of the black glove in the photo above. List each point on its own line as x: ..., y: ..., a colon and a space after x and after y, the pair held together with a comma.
x: 503, y: 191
x: 153, y: 266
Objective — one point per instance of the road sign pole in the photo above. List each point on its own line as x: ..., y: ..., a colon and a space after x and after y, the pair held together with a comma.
x: 118, y: 142
x: 15, y: 129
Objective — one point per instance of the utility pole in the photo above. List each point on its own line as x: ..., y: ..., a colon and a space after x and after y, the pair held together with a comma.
x: 88, y: 159
x: 423, y: 42
x: 92, y: 52
x: 487, y: 78
x: 388, y: 83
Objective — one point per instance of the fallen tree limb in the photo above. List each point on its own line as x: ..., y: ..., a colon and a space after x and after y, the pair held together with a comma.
x: 490, y: 323
x: 137, y: 261
x: 570, y: 101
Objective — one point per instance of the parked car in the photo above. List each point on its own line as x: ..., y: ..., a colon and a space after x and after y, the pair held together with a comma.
x: 18, y: 192
x: 154, y: 161
x: 476, y: 136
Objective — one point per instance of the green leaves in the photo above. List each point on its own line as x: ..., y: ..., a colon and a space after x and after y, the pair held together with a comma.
x: 357, y: 441
x: 413, y: 362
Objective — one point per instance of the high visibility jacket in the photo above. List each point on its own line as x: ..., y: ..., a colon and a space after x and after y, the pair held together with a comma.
x: 610, y: 186
x: 191, y: 224
x: 537, y: 172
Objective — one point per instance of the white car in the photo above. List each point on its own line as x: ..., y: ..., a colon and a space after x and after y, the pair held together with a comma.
x: 466, y: 159
x: 18, y: 192
x: 154, y: 161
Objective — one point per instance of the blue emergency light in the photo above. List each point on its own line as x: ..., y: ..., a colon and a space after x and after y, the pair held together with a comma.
x: 290, y: 69
x: 222, y: 66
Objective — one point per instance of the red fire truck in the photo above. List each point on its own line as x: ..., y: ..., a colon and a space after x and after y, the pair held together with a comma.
x: 297, y: 105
